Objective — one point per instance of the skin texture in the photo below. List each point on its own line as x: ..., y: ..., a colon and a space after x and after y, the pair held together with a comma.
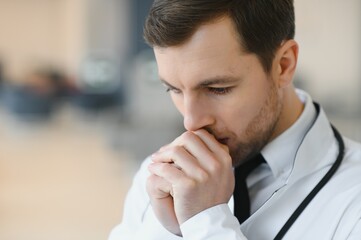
x: 231, y: 109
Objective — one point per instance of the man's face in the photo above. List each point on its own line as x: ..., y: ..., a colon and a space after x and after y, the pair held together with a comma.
x: 218, y: 87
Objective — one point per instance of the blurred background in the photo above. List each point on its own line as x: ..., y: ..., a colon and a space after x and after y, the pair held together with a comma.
x: 81, y: 105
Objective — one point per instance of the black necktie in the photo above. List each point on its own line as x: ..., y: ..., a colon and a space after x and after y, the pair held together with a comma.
x: 240, y: 194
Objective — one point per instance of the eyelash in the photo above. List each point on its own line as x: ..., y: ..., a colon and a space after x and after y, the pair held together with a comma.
x: 220, y: 91
x: 216, y: 91
x: 174, y: 90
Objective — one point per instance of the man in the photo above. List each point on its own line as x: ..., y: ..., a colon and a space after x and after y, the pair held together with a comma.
x: 228, y: 66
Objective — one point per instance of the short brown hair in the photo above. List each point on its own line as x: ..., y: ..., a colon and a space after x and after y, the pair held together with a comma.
x: 262, y: 25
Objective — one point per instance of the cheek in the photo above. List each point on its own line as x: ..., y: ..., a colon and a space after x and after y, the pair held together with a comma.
x: 239, y: 118
x: 233, y: 116
x: 243, y: 111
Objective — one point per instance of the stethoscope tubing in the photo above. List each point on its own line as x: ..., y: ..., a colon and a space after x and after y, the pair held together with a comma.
x: 318, y: 187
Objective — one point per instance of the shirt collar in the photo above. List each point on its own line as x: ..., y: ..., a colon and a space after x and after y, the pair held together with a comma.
x: 283, y: 148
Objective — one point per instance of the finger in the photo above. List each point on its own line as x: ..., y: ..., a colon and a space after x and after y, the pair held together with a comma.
x: 167, y: 171
x: 195, y: 146
x: 189, y: 141
x: 207, y: 154
x: 210, y: 154
x: 216, y: 147
x: 210, y: 140
x: 157, y: 156
x: 174, y: 154
x: 158, y: 187
x: 164, y: 148
x: 182, y: 160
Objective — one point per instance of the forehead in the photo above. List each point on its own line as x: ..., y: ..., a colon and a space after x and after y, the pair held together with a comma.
x: 214, y: 49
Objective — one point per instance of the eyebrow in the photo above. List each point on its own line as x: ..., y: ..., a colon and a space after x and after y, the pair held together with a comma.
x: 208, y: 82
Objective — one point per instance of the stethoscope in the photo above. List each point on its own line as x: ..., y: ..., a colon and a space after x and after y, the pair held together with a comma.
x: 319, y: 186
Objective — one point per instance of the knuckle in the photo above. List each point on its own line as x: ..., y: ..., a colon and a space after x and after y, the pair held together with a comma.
x: 203, y: 176
x: 189, y: 184
x: 225, y: 159
x: 214, y: 166
x: 187, y: 136
x: 176, y: 150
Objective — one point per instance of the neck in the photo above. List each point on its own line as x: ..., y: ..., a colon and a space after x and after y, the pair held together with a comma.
x: 292, y: 108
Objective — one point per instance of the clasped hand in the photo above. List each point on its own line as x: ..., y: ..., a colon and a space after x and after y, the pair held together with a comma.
x: 191, y: 174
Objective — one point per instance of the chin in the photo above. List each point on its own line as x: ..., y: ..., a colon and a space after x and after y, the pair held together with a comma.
x: 242, y: 152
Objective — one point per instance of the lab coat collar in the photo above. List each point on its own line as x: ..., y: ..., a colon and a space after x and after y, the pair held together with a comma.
x: 318, y: 143
x: 316, y: 153
x: 280, y: 154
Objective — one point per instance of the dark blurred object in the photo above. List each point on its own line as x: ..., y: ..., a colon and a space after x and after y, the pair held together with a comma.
x: 37, y: 96
x: 140, y: 9
x: 1, y: 74
x: 99, y: 85
x: 1, y: 78
x: 97, y: 102
x: 25, y: 103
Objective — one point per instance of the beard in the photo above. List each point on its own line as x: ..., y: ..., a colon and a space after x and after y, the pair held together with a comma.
x: 260, y: 130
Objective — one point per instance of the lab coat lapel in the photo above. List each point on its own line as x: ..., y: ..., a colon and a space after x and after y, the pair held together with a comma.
x: 314, y: 155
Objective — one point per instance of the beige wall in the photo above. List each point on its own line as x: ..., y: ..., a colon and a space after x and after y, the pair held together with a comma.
x: 59, y: 32
x: 75, y: 35
x: 329, y: 35
x: 32, y: 32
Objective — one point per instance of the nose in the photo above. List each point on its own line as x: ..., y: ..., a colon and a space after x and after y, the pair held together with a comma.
x: 196, y: 113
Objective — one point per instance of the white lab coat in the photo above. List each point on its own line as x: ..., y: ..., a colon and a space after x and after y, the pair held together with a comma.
x: 335, y: 213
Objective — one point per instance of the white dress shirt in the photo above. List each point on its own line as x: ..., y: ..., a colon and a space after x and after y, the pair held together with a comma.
x: 296, y: 161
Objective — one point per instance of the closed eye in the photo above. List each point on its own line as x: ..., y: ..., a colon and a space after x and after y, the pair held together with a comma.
x: 219, y: 91
x: 172, y: 90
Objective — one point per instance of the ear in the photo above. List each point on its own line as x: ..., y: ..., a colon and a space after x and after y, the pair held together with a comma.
x: 286, y: 62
